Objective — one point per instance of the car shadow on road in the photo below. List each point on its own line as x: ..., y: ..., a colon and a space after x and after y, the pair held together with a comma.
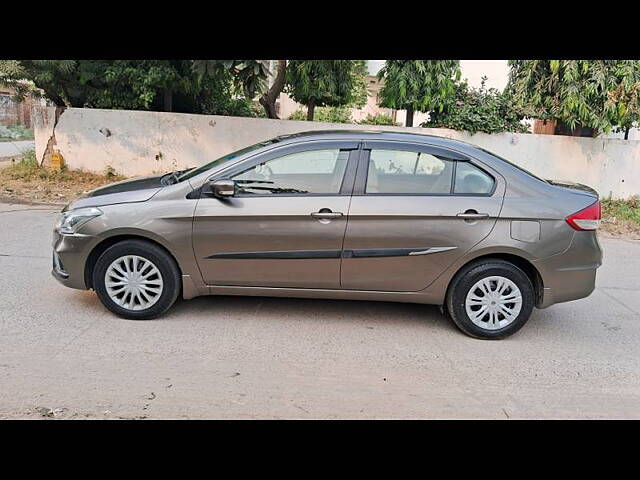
x: 281, y: 310
x: 309, y: 310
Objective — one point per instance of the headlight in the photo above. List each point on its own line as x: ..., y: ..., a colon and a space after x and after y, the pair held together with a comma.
x: 69, y: 222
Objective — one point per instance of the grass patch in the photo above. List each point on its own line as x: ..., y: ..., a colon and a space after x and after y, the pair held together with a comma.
x: 15, y: 133
x: 26, y: 180
x: 622, y: 216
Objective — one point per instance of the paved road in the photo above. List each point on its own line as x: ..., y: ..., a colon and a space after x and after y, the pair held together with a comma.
x: 233, y: 357
x: 12, y: 149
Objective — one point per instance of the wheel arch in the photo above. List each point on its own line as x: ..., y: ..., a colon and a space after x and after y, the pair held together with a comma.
x: 104, y: 244
x: 519, y: 261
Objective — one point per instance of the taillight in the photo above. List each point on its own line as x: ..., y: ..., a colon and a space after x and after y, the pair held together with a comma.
x: 586, y: 219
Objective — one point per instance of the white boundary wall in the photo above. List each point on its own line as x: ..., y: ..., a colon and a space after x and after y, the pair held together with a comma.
x: 142, y: 143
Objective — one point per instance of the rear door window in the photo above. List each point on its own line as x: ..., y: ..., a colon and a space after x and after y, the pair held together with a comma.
x: 471, y: 180
x: 408, y: 172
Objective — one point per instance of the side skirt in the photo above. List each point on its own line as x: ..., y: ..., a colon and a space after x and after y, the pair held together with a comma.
x: 406, y: 297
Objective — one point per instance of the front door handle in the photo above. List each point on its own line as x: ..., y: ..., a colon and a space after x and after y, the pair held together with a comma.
x: 325, y: 213
x: 472, y: 215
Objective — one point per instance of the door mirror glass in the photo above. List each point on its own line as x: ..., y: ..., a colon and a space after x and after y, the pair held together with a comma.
x: 223, y: 188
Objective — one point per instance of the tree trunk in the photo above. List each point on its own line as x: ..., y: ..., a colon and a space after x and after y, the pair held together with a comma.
x: 626, y: 133
x: 168, y: 100
x: 56, y: 99
x: 311, y: 108
x: 268, y: 100
x: 409, y: 121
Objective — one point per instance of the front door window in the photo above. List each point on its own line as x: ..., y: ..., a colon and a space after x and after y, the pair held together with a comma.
x: 311, y: 172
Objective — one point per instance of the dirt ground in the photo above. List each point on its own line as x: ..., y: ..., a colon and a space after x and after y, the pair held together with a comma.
x: 45, y: 187
x: 617, y: 228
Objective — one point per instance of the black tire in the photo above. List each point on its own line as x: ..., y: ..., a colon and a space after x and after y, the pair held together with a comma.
x: 153, y: 253
x: 467, y: 278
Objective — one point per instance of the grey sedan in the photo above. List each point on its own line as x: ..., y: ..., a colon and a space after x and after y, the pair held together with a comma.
x: 358, y: 215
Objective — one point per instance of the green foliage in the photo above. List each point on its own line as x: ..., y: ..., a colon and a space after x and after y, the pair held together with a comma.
x: 250, y: 76
x: 28, y: 168
x: 28, y: 160
x: 299, y: 115
x: 360, y: 91
x: 145, y: 84
x: 13, y: 133
x: 257, y: 110
x: 622, y: 209
x: 599, y: 94
x: 326, y: 114
x: 318, y: 83
x: 478, y: 110
x: 219, y: 95
x: 12, y: 75
x: 378, y: 119
x: 419, y: 85
x: 139, y: 84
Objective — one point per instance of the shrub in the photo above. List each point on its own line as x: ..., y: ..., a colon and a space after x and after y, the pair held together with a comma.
x: 326, y: 114
x: 15, y: 133
x: 378, y: 119
x: 479, y: 110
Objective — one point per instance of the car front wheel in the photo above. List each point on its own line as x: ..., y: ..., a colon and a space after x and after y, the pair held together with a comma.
x: 490, y: 299
x: 136, y: 279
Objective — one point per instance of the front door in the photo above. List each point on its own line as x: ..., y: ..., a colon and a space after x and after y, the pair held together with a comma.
x: 285, y: 225
x: 415, y: 210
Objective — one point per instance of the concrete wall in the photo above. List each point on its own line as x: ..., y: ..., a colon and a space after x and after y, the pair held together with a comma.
x: 142, y: 143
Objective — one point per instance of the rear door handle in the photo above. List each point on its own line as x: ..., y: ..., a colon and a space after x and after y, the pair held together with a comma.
x: 472, y: 215
x: 328, y: 214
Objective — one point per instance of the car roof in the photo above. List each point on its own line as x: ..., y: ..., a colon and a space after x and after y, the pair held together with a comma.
x: 350, y: 134
x: 470, y: 149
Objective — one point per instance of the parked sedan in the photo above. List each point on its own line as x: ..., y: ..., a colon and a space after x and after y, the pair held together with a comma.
x: 342, y: 214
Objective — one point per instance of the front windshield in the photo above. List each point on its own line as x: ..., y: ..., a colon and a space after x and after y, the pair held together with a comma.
x: 215, y: 163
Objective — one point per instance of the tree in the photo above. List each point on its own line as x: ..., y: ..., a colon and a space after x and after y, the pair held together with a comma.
x: 479, y: 110
x: 12, y: 75
x: 130, y: 84
x: 360, y: 92
x: 59, y: 79
x: 169, y: 85
x: 249, y: 75
x: 418, y: 85
x: 597, y: 94
x: 268, y: 99
x: 316, y: 83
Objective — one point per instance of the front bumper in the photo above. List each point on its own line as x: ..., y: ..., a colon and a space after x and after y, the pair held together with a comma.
x: 70, y: 253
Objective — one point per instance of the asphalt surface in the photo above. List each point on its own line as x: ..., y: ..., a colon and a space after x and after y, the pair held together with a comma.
x: 62, y: 355
x: 12, y: 149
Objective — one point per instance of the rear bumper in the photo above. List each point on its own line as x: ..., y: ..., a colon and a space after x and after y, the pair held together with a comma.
x: 570, y: 275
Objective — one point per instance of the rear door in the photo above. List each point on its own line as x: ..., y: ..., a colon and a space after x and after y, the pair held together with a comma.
x: 286, y: 224
x: 415, y: 210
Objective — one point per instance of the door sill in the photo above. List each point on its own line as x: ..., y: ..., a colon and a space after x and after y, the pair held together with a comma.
x: 377, y: 295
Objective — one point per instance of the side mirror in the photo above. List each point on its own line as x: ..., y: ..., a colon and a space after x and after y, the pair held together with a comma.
x: 223, y: 188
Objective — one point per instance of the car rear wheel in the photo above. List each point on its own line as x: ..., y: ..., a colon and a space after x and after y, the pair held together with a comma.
x: 136, y: 279
x: 490, y: 299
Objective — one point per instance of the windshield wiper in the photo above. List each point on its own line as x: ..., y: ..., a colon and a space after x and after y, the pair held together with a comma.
x: 276, y: 189
x: 252, y: 181
x: 173, y: 177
